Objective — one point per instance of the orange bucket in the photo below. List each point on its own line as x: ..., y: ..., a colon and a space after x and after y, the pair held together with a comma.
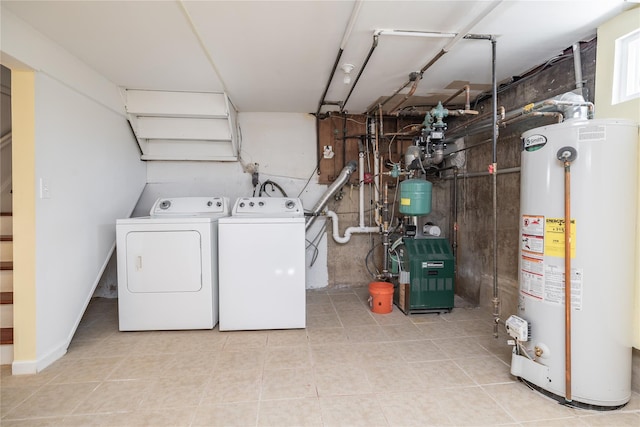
x: 381, y: 297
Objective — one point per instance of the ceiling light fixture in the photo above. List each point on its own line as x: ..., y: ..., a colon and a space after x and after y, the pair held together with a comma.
x: 347, y: 68
x: 411, y: 33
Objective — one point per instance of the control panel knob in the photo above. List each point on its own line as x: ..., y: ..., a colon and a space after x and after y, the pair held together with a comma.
x: 209, y: 203
x: 290, y: 204
x: 165, y: 204
x: 261, y: 203
x: 242, y: 204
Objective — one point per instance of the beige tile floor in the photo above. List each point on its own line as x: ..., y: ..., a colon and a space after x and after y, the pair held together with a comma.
x: 350, y: 367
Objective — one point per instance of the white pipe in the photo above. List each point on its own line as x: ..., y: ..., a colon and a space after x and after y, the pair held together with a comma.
x: 376, y: 185
x: 376, y: 170
x: 472, y: 24
x: 360, y: 187
x: 349, y: 231
x: 411, y: 33
x: 352, y: 21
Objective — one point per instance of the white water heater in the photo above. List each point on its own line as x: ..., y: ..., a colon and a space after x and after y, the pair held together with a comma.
x: 603, y: 203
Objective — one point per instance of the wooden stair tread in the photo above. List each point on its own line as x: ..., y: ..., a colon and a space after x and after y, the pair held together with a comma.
x: 6, y: 336
x: 6, y: 297
x: 6, y: 238
x: 6, y: 265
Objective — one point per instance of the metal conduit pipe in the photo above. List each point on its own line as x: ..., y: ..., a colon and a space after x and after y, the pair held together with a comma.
x: 577, y: 66
x: 344, y: 176
x: 484, y: 173
x: 494, y: 169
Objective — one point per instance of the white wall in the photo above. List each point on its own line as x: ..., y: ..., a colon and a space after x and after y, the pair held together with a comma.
x: 283, y: 145
x: 88, y: 157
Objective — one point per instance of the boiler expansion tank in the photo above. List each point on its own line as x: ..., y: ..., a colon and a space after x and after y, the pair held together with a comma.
x: 603, y: 203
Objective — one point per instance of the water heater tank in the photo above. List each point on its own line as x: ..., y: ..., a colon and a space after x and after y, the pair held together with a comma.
x: 415, y: 197
x: 603, y: 203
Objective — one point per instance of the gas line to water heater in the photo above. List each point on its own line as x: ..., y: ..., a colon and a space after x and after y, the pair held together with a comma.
x: 567, y: 155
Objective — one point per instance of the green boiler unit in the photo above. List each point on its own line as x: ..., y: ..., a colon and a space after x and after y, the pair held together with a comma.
x: 426, y: 276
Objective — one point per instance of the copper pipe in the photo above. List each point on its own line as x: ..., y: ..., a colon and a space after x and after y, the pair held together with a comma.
x: 567, y: 277
x: 462, y: 112
x: 414, y: 86
x: 559, y: 117
x: 467, y: 103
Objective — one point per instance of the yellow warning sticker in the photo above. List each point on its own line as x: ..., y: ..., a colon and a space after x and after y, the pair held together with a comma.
x: 554, y: 237
x: 405, y: 201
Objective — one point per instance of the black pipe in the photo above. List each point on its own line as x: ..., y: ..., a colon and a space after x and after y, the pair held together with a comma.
x: 374, y: 44
x: 454, y: 228
x: 422, y: 70
x: 326, y: 89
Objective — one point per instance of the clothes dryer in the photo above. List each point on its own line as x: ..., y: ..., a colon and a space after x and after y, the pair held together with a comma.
x: 168, y: 265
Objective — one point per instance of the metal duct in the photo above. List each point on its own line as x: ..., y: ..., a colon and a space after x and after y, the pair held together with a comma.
x: 344, y: 176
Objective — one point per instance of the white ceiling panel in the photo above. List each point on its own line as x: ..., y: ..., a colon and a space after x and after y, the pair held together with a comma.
x: 277, y: 56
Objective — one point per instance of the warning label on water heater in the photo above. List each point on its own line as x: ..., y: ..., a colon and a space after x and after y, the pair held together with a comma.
x: 544, y: 237
x: 532, y: 234
x: 554, y: 286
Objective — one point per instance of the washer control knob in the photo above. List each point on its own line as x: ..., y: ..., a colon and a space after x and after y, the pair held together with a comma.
x: 251, y: 204
x: 219, y: 204
x: 242, y: 204
x: 260, y: 203
x: 165, y: 204
x: 290, y: 204
x: 209, y: 203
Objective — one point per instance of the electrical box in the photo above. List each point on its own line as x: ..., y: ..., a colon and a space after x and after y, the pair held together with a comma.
x: 429, y: 285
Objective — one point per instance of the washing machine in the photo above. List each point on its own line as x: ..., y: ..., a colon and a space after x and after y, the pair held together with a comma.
x: 262, y: 265
x: 168, y: 265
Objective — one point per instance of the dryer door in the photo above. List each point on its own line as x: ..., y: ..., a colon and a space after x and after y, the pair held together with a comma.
x: 164, y: 261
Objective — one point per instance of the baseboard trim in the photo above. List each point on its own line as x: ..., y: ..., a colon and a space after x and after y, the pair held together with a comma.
x: 29, y: 367
x: 24, y: 367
